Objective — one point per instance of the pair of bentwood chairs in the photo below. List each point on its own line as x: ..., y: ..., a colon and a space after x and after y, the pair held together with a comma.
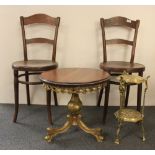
x: 31, y: 67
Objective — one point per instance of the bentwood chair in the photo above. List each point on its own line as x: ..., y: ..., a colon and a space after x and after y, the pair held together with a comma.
x: 130, y: 115
x: 117, y: 67
x: 35, y: 66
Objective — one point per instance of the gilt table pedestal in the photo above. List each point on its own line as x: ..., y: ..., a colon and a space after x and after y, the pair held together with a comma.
x: 74, y: 81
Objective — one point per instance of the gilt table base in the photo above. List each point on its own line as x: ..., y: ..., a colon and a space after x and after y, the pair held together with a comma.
x: 74, y: 118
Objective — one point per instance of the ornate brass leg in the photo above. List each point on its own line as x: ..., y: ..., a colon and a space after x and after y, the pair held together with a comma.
x: 52, y: 132
x: 143, y: 133
x: 95, y: 132
x: 74, y: 118
x: 117, y: 140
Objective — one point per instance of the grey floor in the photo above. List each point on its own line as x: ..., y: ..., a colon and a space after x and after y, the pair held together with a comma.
x: 30, y: 130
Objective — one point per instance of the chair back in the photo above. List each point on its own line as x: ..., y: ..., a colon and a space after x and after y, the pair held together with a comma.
x: 39, y: 19
x: 119, y: 21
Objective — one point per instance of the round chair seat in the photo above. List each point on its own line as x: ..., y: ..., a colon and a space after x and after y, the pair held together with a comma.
x: 34, y: 65
x: 120, y: 66
x: 129, y: 115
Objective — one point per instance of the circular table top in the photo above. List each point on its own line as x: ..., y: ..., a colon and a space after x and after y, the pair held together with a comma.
x: 74, y: 77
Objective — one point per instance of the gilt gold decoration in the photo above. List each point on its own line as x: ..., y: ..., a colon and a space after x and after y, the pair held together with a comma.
x: 71, y: 90
x: 126, y: 114
x: 74, y: 117
x: 128, y: 78
x: 74, y: 81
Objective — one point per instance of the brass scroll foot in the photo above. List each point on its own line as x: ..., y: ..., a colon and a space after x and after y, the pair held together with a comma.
x: 144, y: 139
x: 117, y: 141
x: 52, y: 132
x: 94, y: 132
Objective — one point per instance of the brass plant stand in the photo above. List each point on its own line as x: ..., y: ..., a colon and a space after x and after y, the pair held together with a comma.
x: 126, y: 114
x: 74, y: 116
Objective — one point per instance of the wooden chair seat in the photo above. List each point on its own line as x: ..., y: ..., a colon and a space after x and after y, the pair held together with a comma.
x: 34, y: 65
x: 120, y: 66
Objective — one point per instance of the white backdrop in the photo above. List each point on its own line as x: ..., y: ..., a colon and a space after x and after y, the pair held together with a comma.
x: 79, y: 45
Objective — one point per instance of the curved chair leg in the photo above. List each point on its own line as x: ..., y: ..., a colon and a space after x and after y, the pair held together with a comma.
x: 16, y: 93
x: 107, y: 89
x: 139, y: 93
x: 117, y: 140
x: 27, y: 88
x: 48, y: 97
x: 100, y: 97
x: 127, y: 95
x: 55, y: 98
x: 143, y: 133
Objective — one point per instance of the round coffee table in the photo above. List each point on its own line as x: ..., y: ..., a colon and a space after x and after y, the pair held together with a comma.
x: 74, y: 81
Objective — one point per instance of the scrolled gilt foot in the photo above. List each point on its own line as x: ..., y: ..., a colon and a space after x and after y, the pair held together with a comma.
x: 99, y: 138
x: 143, y: 139
x: 97, y: 132
x: 52, y: 132
x: 48, y: 138
x: 117, y: 141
